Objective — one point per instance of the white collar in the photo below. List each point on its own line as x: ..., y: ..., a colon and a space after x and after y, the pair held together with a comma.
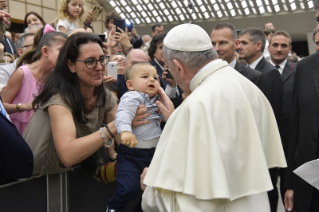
x: 159, y: 64
x: 254, y: 64
x: 233, y: 63
x: 207, y: 66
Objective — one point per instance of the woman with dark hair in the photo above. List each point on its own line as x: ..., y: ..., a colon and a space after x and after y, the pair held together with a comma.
x: 81, y: 110
x: 166, y: 80
x: 26, y: 82
x: 33, y: 18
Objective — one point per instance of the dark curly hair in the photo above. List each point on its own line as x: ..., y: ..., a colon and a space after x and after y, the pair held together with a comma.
x: 109, y: 17
x: 157, y: 39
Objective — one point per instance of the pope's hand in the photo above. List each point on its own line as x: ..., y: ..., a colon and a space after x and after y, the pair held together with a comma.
x: 143, y: 186
x: 165, y: 105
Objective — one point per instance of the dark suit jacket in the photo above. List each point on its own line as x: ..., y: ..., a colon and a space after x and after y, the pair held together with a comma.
x: 16, y: 158
x: 274, y: 86
x: 178, y: 99
x: 9, y: 45
x: 287, y: 77
x: 254, y: 76
x: 303, y: 144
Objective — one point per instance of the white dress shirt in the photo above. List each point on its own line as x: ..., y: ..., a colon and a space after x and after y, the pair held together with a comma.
x: 254, y: 64
x: 281, y: 65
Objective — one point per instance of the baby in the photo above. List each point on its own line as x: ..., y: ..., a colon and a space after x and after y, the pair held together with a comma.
x: 142, y: 82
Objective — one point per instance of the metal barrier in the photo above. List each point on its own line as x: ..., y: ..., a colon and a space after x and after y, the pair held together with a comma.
x: 74, y: 191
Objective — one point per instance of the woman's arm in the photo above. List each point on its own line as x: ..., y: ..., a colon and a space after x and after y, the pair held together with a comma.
x: 72, y: 150
x: 12, y: 89
x: 110, y: 117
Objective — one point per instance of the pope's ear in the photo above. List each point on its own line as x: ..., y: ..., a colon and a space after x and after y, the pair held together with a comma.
x: 180, y: 68
x: 129, y: 85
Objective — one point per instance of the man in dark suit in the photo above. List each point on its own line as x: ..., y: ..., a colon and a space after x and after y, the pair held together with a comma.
x: 225, y: 42
x: 279, y: 48
x: 303, y: 144
x: 168, y: 84
x: 251, y: 47
x: 16, y: 158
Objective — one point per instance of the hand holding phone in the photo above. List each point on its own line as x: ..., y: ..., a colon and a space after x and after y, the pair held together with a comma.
x: 112, y: 69
x: 118, y: 22
x: 168, y: 75
x: 96, y: 12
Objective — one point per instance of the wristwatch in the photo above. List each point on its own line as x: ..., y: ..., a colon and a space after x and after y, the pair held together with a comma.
x: 18, y: 107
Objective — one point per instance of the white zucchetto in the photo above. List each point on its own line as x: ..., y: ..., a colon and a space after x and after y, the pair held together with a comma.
x: 188, y: 38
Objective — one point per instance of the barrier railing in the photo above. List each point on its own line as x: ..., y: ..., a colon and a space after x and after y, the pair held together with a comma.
x: 74, y: 191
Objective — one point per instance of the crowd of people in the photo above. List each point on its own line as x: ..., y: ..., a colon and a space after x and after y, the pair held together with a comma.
x: 197, y: 121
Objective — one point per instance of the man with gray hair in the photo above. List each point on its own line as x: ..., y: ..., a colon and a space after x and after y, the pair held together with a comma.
x: 303, y: 144
x: 24, y: 43
x: 251, y: 47
x: 225, y: 133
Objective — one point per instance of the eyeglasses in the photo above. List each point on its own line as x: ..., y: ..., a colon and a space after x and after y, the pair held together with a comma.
x: 27, y: 46
x: 92, y: 62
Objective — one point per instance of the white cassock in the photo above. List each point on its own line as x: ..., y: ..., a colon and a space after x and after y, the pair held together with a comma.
x: 216, y: 148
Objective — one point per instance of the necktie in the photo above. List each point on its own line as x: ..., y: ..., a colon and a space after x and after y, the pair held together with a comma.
x: 277, y: 67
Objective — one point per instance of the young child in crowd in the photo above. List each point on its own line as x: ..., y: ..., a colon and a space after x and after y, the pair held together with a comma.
x: 26, y: 82
x: 70, y: 16
x: 143, y: 83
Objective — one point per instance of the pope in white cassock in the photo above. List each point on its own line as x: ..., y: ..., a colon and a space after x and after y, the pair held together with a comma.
x: 217, y: 146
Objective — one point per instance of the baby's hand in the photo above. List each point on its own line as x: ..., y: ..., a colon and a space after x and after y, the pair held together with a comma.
x: 128, y: 139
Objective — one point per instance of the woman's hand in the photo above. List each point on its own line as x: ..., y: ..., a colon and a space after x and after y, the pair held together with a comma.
x: 170, y: 82
x: 141, y: 113
x: 109, y: 79
x: 26, y: 107
x: 111, y: 151
x: 165, y: 105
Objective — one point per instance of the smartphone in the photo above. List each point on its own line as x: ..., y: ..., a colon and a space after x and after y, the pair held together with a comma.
x: 112, y: 69
x: 129, y: 26
x: 96, y: 12
x: 118, y: 22
x: 169, y: 75
x: 102, y: 37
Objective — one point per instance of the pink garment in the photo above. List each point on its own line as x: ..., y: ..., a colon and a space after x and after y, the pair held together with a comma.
x: 29, y: 89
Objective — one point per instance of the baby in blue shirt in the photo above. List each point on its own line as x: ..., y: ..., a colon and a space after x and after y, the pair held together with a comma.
x: 143, y: 83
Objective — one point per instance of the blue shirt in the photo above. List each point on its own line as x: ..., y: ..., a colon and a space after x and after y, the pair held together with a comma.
x: 126, y: 113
